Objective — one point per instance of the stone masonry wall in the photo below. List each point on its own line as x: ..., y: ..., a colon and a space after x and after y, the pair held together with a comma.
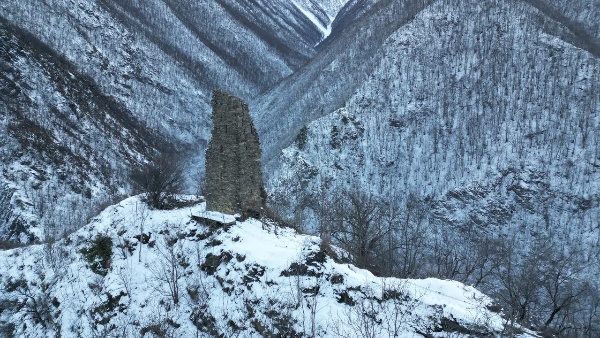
x: 233, y: 172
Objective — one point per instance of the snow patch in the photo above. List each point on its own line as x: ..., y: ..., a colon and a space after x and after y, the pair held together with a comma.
x: 325, y: 30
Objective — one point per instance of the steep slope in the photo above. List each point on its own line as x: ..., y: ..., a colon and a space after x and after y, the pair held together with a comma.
x: 321, y: 13
x: 65, y: 146
x: 326, y: 82
x: 353, y: 50
x: 136, y: 272
x: 352, y: 11
x: 162, y: 59
x: 580, y: 21
x: 579, y: 13
x: 457, y: 97
x: 331, y: 8
x: 133, y: 59
x: 153, y: 64
x: 485, y: 112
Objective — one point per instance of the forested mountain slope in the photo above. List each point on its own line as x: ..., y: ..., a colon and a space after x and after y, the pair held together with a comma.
x: 161, y: 59
x: 581, y: 16
x: 488, y: 86
x: 325, y: 83
x: 480, y: 121
x: 154, y: 63
x: 65, y: 145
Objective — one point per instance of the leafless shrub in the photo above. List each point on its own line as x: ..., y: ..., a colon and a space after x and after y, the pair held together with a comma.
x: 167, y: 270
x: 159, y: 179
x: 361, y: 320
x: 32, y: 300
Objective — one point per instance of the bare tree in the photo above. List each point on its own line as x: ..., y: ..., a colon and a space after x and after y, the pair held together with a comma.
x: 359, y: 226
x: 159, y: 179
x: 168, y: 268
x: 32, y: 299
x: 411, y: 235
x: 519, y: 278
x: 561, y: 284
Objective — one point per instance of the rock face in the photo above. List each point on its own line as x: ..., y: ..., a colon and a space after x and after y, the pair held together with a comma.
x: 233, y: 173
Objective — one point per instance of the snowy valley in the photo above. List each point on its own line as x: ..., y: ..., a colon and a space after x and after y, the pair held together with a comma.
x: 449, y: 147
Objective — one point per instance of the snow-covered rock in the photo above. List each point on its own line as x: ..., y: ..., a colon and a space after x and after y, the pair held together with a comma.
x: 133, y: 271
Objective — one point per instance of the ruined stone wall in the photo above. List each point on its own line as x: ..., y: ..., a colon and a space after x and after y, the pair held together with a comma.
x: 233, y: 172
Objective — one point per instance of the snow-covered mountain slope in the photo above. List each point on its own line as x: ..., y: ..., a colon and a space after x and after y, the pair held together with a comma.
x: 581, y: 16
x: 351, y: 11
x: 486, y: 112
x: 321, y: 12
x: 153, y: 62
x: 329, y: 79
x: 65, y: 145
x: 135, y: 272
x: 459, y: 96
x: 344, y: 63
x: 330, y: 7
x: 162, y: 59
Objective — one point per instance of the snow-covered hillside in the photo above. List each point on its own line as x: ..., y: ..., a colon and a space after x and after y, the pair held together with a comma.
x: 479, y: 121
x: 162, y: 59
x: 65, y: 146
x: 135, y: 272
x: 321, y: 12
x: 462, y: 96
x: 329, y: 79
x: 153, y: 63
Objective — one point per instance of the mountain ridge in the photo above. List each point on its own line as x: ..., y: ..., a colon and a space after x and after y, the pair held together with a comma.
x: 247, y: 278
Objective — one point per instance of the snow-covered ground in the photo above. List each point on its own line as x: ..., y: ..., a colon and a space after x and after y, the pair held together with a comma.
x: 164, y: 273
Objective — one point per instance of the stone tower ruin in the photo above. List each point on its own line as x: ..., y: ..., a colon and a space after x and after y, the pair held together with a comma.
x: 233, y: 173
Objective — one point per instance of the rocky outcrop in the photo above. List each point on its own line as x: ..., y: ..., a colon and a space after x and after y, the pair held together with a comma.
x: 233, y: 173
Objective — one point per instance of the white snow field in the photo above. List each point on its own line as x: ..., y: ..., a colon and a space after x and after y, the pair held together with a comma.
x: 250, y: 279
